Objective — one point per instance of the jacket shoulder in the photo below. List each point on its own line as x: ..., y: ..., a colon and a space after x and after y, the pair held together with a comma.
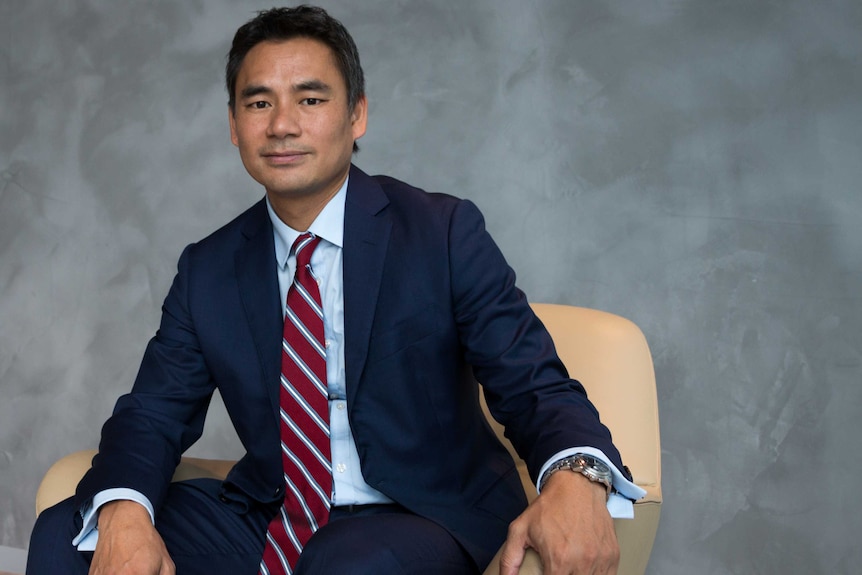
x: 409, y: 199
x: 247, y: 224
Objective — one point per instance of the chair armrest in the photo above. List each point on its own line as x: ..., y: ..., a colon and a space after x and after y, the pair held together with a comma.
x: 62, y: 478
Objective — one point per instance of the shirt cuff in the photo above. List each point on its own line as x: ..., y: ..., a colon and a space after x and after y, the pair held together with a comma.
x: 625, y: 492
x: 89, y: 534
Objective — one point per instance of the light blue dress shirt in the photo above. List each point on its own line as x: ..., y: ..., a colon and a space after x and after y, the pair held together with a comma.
x: 348, y: 485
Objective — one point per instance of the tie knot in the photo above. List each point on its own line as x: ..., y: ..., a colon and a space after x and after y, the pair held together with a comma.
x: 303, y: 247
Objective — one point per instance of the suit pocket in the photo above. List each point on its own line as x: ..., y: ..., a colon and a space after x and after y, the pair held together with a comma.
x: 402, y: 332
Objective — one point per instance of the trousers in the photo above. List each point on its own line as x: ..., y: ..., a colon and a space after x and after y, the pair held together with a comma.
x: 205, y: 536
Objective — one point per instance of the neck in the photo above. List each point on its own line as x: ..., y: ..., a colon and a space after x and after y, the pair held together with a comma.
x: 299, y: 215
x: 299, y: 210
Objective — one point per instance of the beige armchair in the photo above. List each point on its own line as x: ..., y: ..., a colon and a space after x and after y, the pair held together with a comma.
x: 607, y: 353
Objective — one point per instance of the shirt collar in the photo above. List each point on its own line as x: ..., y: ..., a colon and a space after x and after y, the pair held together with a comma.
x: 328, y: 225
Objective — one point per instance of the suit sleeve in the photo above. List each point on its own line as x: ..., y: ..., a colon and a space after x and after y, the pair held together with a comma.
x: 163, y: 415
x: 527, y: 387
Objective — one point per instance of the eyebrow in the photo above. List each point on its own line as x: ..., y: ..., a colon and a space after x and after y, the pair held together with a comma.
x: 254, y: 90
x: 305, y: 86
x: 312, y: 86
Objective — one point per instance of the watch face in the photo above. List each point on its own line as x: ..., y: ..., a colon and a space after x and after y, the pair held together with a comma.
x: 595, y: 465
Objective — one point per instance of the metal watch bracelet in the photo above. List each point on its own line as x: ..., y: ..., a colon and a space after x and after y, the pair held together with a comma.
x: 587, y: 465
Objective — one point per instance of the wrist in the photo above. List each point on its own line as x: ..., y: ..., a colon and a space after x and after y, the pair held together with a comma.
x: 122, y: 510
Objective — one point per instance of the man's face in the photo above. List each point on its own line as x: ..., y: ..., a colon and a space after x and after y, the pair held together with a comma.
x: 291, y: 121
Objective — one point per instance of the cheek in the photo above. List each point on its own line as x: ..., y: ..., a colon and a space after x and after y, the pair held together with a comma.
x: 328, y: 127
x: 249, y: 130
x: 244, y: 149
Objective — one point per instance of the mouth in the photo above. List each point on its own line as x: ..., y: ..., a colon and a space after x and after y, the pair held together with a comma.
x: 284, y: 158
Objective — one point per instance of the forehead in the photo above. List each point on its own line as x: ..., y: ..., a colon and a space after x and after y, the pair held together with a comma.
x: 297, y: 59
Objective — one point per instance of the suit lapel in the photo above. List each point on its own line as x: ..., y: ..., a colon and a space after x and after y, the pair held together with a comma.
x: 366, y: 238
x: 258, y: 288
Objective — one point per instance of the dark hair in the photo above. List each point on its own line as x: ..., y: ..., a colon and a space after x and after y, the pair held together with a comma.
x: 279, y: 24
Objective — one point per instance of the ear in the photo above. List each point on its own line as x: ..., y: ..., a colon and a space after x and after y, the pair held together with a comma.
x: 359, y: 118
x: 231, y: 118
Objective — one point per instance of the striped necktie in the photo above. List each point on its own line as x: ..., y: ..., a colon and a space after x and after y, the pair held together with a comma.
x: 304, y: 411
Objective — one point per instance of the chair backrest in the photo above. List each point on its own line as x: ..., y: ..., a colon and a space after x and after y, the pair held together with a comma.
x: 609, y: 355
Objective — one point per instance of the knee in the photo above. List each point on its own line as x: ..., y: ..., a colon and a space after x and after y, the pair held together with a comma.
x: 51, y: 540
x: 57, y: 521
x: 332, y: 552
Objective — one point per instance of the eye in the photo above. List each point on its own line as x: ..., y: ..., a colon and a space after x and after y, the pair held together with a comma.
x: 259, y: 105
x: 312, y: 101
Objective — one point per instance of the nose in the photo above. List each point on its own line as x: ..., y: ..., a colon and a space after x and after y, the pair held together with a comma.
x: 284, y: 122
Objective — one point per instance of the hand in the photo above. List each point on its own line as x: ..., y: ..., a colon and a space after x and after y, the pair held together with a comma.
x: 128, y: 543
x: 569, y: 526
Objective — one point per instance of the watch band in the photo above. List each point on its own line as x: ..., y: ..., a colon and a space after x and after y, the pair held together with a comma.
x: 587, y: 465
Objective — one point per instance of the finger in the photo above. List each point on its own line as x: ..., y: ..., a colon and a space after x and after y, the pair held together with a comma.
x: 513, y: 550
x: 511, y: 558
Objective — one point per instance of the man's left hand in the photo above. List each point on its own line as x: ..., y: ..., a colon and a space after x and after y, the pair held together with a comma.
x: 569, y: 526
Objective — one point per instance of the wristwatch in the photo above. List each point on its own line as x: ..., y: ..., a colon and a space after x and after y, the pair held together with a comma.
x: 587, y: 465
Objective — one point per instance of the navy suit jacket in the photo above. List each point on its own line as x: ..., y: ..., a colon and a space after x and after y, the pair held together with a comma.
x: 430, y: 307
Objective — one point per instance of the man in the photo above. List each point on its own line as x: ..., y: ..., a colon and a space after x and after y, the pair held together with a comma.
x: 343, y: 319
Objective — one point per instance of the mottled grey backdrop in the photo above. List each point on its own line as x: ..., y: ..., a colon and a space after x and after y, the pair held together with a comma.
x: 693, y: 165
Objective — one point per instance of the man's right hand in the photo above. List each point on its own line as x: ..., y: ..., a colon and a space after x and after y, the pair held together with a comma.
x: 128, y: 543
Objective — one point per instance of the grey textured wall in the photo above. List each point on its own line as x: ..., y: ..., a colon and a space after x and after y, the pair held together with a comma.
x: 691, y: 164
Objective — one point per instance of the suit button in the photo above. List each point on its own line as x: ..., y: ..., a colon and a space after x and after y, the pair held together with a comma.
x: 222, y: 498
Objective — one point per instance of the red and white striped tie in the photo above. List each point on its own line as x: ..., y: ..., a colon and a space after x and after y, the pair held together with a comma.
x: 304, y: 413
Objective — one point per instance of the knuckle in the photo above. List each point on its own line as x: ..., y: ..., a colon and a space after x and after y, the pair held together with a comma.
x: 591, y: 556
x: 516, y: 529
x: 559, y: 555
